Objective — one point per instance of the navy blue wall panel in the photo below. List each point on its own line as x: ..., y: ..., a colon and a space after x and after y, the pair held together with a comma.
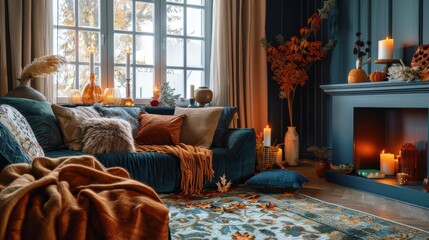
x: 406, y: 21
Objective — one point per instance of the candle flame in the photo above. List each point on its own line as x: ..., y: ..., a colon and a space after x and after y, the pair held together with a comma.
x: 387, y: 38
x: 382, y: 151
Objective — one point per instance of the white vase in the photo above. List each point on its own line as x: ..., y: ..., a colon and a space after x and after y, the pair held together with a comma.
x: 292, y: 146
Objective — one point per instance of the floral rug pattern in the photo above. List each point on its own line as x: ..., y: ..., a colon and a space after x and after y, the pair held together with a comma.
x: 243, y: 213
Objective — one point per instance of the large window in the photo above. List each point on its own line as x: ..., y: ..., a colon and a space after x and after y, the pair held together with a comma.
x: 168, y: 40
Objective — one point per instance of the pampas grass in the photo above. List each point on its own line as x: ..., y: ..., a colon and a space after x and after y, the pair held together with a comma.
x: 42, y: 66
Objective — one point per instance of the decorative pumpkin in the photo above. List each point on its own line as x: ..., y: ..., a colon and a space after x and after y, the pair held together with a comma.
x: 357, y: 76
x: 378, y: 76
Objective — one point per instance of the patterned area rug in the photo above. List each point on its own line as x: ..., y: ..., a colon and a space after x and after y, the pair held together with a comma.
x: 243, y: 213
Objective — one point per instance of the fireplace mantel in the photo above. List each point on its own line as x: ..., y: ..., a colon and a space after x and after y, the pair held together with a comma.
x: 374, y: 108
x: 389, y: 87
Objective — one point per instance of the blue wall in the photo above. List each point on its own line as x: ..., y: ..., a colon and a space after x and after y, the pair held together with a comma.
x: 406, y: 21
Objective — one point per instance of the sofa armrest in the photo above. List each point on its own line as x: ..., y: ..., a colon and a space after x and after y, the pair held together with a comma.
x: 242, y: 141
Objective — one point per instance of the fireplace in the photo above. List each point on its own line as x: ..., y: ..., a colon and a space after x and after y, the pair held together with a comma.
x: 368, y: 118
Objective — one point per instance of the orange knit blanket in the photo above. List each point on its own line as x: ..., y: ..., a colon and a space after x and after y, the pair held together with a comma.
x: 76, y: 198
x: 195, y: 164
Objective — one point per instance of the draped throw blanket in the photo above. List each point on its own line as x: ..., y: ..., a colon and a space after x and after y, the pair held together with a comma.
x: 76, y: 198
x: 195, y: 164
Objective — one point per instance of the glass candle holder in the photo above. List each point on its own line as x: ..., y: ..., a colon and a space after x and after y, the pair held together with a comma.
x: 402, y: 178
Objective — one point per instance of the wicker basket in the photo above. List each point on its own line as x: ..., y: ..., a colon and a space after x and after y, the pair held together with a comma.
x: 266, y: 159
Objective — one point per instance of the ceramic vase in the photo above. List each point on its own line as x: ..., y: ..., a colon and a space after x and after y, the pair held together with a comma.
x: 203, y: 95
x: 291, y: 146
x: 24, y: 90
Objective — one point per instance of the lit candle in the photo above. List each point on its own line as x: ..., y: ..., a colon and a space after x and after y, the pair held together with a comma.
x: 128, y: 64
x: 280, y: 156
x: 396, y: 165
x: 387, y: 163
x: 91, y: 60
x: 385, y: 49
x: 156, y: 92
x: 192, y: 91
x: 76, y: 98
x: 267, y: 136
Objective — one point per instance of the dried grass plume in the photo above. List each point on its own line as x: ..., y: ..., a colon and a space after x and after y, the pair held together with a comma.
x: 42, y: 66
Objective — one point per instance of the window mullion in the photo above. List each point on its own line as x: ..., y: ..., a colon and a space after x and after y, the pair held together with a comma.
x: 110, y: 71
x: 208, y: 13
x: 160, y: 41
x: 104, y: 45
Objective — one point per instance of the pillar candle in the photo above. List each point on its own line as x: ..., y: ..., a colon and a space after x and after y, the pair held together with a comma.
x: 192, y: 91
x: 91, y: 60
x: 267, y: 136
x: 385, y: 49
x: 387, y: 163
x: 280, y: 156
x: 76, y: 98
x: 128, y: 64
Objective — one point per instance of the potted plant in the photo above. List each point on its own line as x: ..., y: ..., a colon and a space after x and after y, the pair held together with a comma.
x: 322, y: 154
x: 290, y: 60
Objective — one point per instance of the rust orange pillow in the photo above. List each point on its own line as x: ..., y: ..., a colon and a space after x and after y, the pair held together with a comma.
x: 159, y: 129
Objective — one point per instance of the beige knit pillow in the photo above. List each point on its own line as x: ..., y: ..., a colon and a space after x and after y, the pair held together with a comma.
x: 199, y: 126
x: 70, y: 120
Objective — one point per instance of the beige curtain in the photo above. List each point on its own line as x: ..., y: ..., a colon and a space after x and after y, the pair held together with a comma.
x: 25, y: 33
x: 238, y: 62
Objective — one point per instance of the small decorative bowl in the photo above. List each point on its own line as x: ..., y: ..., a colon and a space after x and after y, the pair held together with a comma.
x: 342, y: 168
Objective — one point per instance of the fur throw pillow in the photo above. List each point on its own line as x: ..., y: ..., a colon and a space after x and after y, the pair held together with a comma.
x: 105, y: 135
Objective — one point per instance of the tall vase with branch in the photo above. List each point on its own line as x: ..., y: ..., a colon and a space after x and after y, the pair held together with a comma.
x: 361, y: 50
x: 290, y: 60
x: 39, y: 67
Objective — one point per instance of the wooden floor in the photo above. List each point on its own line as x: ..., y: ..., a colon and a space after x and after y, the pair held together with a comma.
x: 359, y: 200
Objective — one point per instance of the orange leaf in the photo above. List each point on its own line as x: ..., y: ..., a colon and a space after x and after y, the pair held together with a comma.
x: 268, y: 206
x: 245, y: 236
x: 288, y: 194
x: 239, y: 206
x: 203, y: 205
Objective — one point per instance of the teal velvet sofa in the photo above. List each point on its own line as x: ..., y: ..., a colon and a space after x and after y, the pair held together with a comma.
x: 235, y: 157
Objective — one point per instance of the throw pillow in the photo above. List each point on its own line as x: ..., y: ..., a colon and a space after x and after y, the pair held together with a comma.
x: 104, y: 135
x: 13, y: 120
x: 219, y: 138
x: 70, y: 120
x: 42, y: 121
x: 158, y: 129
x: 10, y: 150
x: 277, y: 180
x: 129, y: 114
x: 199, y: 125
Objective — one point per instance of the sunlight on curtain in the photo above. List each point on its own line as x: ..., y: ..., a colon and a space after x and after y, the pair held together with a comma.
x: 238, y: 63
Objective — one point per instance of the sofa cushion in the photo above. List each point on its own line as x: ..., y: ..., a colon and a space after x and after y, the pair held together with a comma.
x: 41, y: 119
x: 104, y: 135
x: 129, y: 114
x: 21, y: 130
x: 159, y: 129
x: 199, y: 125
x: 10, y: 150
x: 70, y: 120
x: 219, y: 138
x: 277, y: 180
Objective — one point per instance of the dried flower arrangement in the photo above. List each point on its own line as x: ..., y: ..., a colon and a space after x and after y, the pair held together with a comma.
x: 357, y: 50
x: 42, y: 66
x: 291, y: 60
x: 319, y: 152
x: 402, y: 72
